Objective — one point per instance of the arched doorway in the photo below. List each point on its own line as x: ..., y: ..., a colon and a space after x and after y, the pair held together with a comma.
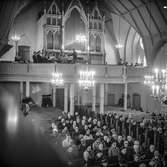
x: 136, y: 104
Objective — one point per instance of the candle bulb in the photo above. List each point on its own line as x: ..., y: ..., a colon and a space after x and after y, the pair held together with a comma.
x: 153, y: 90
x: 157, y: 90
x: 156, y: 73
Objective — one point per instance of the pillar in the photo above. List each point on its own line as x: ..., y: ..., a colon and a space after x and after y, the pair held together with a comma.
x: 125, y: 95
x: 66, y: 98
x: 63, y: 32
x: 54, y: 96
x: 72, y: 99
x: 27, y: 89
x: 94, y: 99
x: 106, y: 94
x: 78, y: 97
x: 21, y: 91
x: 101, y: 98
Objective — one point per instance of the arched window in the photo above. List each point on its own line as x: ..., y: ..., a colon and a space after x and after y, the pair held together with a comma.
x: 57, y: 41
x: 50, y: 40
x: 92, y: 45
x: 98, y: 44
x: 48, y: 20
x: 54, y: 21
x: 95, y: 26
x: 53, y: 9
x: 90, y: 25
x: 96, y: 14
x: 100, y: 26
x: 58, y: 22
x: 50, y: 12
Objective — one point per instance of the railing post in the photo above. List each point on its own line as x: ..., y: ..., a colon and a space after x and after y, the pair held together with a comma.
x: 137, y: 131
x: 155, y: 137
x: 129, y: 128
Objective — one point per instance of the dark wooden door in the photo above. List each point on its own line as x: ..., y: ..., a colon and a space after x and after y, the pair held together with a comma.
x: 111, y: 99
x: 60, y: 98
x: 136, y: 101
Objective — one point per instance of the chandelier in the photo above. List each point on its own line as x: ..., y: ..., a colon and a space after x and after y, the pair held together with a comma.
x: 15, y: 38
x: 57, y: 79
x: 80, y: 38
x: 157, y: 81
x: 87, y: 80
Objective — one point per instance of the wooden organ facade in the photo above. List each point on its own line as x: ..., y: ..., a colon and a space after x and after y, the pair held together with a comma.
x: 57, y: 30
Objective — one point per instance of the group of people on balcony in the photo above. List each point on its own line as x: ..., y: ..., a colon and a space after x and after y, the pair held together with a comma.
x: 52, y: 57
x: 113, y: 140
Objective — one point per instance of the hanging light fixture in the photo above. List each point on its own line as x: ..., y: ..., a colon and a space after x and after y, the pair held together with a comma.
x: 157, y: 81
x: 119, y: 45
x: 80, y: 38
x: 87, y: 80
x: 57, y: 78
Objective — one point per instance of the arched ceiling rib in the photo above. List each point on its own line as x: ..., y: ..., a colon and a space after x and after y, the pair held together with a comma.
x: 147, y: 16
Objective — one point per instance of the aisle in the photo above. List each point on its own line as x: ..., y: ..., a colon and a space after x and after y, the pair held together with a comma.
x: 42, y: 118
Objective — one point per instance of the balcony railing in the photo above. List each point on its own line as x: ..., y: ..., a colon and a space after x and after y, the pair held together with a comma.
x: 103, y: 72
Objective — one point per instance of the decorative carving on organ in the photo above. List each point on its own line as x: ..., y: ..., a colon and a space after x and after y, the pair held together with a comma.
x: 96, y: 31
x: 58, y: 30
x: 53, y: 15
x: 52, y: 28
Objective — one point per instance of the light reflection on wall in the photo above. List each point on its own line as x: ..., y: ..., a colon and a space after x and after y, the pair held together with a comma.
x: 12, y: 119
x: 11, y: 109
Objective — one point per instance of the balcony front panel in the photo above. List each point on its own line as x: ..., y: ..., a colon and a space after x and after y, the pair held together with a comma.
x: 13, y: 68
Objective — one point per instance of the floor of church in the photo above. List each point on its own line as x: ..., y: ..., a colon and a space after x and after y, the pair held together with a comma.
x: 42, y: 118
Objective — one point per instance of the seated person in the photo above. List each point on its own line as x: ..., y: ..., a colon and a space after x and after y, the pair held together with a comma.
x: 34, y: 57
x: 67, y: 142
x: 150, y: 153
x: 88, y: 156
x: 54, y: 128
x: 113, y: 153
x: 156, y: 160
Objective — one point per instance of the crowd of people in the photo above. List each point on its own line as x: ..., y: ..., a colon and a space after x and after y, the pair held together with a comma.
x: 59, y: 57
x: 114, y: 140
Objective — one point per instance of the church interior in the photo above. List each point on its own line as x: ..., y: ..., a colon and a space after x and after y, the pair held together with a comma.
x: 83, y: 83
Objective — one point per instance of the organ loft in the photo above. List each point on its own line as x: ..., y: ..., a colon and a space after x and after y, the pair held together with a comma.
x: 74, y: 27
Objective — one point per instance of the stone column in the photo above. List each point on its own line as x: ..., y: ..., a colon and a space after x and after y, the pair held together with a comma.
x: 66, y: 98
x: 101, y: 98
x: 63, y: 32
x: 125, y: 95
x: 27, y: 89
x: 94, y: 99
x: 125, y: 87
x: 72, y: 99
x: 54, y: 96
x: 21, y: 91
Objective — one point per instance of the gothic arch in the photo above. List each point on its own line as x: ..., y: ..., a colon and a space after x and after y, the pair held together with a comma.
x: 79, y: 8
x: 57, y: 43
x: 92, y: 43
x: 50, y: 40
x: 98, y: 43
x: 157, y: 48
x: 53, y: 9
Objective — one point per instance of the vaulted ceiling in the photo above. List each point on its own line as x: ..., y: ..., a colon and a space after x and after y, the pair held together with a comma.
x: 147, y: 17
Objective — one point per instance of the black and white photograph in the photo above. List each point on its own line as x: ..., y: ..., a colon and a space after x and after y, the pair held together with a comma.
x: 83, y: 83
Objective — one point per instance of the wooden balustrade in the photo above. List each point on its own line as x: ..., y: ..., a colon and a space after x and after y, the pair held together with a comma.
x: 104, y: 73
